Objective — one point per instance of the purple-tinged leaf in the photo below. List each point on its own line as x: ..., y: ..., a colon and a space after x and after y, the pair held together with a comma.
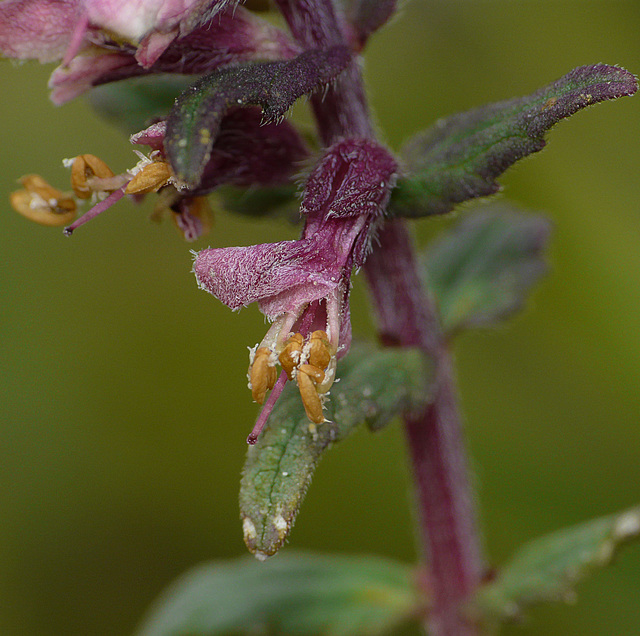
x: 194, y: 122
x: 461, y: 156
x: 367, y: 16
x: 483, y: 270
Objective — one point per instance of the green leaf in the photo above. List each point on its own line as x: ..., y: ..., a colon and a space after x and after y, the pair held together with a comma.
x: 193, y: 124
x: 133, y: 104
x: 461, y: 156
x: 295, y: 594
x: 377, y: 385
x: 547, y: 569
x: 374, y: 386
x: 483, y: 269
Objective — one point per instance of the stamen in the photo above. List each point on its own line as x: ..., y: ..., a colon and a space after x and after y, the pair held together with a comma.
x: 333, y: 321
x: 287, y: 322
x: 262, y: 374
x: 150, y: 179
x: 290, y: 356
x: 42, y: 203
x: 308, y: 376
x: 319, y: 353
x: 83, y: 170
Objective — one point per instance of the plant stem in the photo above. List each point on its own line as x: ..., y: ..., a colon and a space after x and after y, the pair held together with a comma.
x: 435, y: 437
x: 407, y: 318
x: 341, y: 110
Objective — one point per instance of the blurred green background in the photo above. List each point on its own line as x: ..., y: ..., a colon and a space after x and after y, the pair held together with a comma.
x: 124, y: 407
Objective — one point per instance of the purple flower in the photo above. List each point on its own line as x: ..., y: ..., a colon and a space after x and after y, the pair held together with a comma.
x: 303, y: 286
x: 246, y: 152
x: 101, y: 41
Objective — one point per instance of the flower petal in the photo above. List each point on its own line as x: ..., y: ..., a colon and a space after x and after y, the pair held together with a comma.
x: 38, y: 29
x: 282, y: 277
x: 134, y: 20
x: 152, y: 136
x: 231, y: 37
x: 83, y: 70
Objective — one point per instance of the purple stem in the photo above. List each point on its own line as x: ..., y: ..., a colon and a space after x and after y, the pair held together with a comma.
x: 407, y: 318
x: 341, y: 109
x: 435, y: 437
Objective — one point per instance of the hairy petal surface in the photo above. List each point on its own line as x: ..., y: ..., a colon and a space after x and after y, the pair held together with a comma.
x: 38, y: 30
x: 135, y: 20
x: 238, y: 276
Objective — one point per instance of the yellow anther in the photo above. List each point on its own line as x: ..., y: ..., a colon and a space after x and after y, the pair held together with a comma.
x: 290, y: 356
x: 308, y: 376
x: 319, y: 350
x: 262, y: 374
x: 317, y: 375
x: 83, y: 169
x: 273, y: 377
x: 150, y: 179
x: 40, y: 202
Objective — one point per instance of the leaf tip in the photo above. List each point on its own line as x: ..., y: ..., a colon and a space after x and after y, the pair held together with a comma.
x: 627, y: 525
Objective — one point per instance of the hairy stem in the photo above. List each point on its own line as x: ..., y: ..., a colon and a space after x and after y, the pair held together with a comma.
x: 407, y: 318
x: 435, y: 437
x: 342, y: 109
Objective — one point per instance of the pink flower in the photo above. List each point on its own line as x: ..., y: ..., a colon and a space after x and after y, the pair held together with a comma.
x: 247, y: 152
x: 303, y: 286
x: 106, y: 40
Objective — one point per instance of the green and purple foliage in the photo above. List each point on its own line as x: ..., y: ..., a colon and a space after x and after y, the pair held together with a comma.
x: 222, y: 125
